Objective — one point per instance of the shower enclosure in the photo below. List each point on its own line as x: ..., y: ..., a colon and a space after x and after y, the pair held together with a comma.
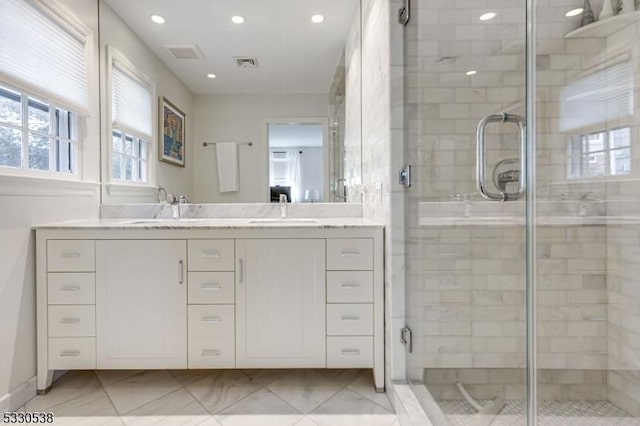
x: 523, y: 218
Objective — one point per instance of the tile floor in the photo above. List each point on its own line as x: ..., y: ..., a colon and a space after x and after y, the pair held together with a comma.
x: 217, y: 397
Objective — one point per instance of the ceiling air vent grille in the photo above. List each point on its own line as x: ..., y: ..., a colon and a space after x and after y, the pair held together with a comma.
x: 246, y: 61
x: 185, y: 51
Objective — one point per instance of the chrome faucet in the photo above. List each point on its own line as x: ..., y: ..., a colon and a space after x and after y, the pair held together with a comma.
x: 283, y: 206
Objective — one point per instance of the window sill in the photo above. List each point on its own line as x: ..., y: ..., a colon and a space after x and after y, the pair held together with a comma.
x: 30, y: 186
x: 123, y: 190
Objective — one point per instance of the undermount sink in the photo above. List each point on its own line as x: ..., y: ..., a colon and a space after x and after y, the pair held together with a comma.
x: 283, y: 221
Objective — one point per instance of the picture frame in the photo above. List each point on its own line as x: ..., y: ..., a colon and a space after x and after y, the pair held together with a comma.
x: 172, y: 134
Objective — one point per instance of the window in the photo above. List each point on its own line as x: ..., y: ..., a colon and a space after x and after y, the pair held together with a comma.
x: 44, y: 87
x: 132, y: 112
x: 35, y: 134
x: 599, y: 154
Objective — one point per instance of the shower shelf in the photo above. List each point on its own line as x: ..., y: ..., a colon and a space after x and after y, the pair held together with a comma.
x: 605, y: 28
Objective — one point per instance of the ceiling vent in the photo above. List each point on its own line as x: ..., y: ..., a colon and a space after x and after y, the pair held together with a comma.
x: 185, y: 51
x: 246, y: 61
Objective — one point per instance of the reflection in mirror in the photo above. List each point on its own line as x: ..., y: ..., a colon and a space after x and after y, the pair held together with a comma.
x: 277, y: 82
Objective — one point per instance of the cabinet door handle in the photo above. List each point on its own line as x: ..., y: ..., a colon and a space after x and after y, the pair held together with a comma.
x: 181, y: 270
x: 350, y: 352
x: 69, y: 320
x: 349, y: 253
x: 211, y: 352
x: 70, y: 353
x: 70, y: 254
x: 212, y: 319
x: 241, y: 261
x: 213, y: 254
x: 350, y: 318
x: 70, y: 287
x: 350, y: 286
x: 210, y: 286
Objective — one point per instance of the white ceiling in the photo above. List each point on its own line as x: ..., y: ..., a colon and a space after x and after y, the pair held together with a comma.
x: 295, y: 135
x: 294, y: 55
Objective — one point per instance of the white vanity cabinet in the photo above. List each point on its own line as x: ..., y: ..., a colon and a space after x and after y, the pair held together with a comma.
x: 280, y: 303
x: 154, y: 297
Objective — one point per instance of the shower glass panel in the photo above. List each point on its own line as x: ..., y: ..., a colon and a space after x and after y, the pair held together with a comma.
x: 465, y: 63
x: 467, y: 255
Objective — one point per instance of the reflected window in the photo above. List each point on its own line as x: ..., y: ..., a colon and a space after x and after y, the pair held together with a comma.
x: 128, y: 157
x: 600, y: 154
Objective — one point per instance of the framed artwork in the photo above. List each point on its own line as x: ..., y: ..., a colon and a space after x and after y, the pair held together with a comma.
x: 172, y: 133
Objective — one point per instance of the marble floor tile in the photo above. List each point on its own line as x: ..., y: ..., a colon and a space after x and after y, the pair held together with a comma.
x: 177, y: 408
x: 340, y: 377
x: 363, y: 385
x: 110, y: 377
x: 140, y: 389
x: 266, y: 377
x: 260, y: 408
x: 304, y: 389
x: 72, y: 385
x: 93, y: 408
x: 186, y: 377
x: 222, y: 389
x: 348, y: 402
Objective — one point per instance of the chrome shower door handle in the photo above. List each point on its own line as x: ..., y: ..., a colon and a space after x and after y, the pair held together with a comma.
x: 481, y: 164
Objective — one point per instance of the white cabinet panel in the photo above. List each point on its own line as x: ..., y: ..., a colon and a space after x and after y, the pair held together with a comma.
x: 72, y: 353
x: 211, y: 255
x: 350, y: 352
x: 350, y: 320
x: 211, y: 320
x: 141, y: 304
x: 280, y: 303
x: 350, y: 254
x: 350, y: 287
x: 72, y: 321
x: 208, y: 288
x: 77, y: 288
x: 212, y: 352
x: 70, y: 255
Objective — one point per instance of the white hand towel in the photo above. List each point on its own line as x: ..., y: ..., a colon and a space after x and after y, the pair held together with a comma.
x: 228, y: 167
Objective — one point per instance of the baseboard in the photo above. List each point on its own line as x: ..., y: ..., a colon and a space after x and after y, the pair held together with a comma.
x: 19, y: 396
x: 408, y: 409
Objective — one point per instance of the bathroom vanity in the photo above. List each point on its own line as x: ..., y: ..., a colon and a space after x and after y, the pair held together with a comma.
x: 210, y: 293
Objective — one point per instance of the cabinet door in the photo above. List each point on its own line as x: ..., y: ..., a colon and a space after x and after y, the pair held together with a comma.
x: 141, y: 304
x: 280, y: 304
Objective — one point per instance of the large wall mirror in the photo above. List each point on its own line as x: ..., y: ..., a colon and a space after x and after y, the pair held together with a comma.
x: 231, y: 101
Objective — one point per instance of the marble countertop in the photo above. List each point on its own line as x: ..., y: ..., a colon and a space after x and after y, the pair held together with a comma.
x: 214, y: 223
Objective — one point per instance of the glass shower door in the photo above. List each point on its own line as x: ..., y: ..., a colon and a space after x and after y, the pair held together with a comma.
x: 465, y: 73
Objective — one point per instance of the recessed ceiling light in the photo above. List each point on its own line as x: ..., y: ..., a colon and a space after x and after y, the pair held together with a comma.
x: 237, y: 19
x: 316, y: 19
x: 157, y: 19
x: 574, y: 12
x: 211, y: 75
x: 487, y: 16
x: 472, y: 72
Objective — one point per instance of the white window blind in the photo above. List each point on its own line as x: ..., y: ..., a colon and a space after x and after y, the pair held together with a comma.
x: 43, y: 52
x: 131, y: 103
x: 606, y: 95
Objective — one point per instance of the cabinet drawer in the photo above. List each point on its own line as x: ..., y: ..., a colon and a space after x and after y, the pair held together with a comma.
x: 211, y: 255
x: 212, y: 352
x: 349, y: 352
x: 350, y: 320
x: 75, y: 353
x: 72, y: 321
x: 350, y: 254
x: 349, y: 287
x: 76, y: 288
x: 211, y: 287
x: 71, y: 256
x: 211, y: 320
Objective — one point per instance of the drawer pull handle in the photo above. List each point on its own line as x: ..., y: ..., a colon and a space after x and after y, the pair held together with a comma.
x: 210, y: 286
x: 212, y: 319
x: 350, y: 286
x: 70, y: 353
x: 71, y: 287
x: 350, y: 318
x: 351, y: 352
x: 210, y: 254
x: 70, y: 321
x: 349, y: 253
x: 211, y: 352
x: 70, y: 254
x: 181, y: 271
